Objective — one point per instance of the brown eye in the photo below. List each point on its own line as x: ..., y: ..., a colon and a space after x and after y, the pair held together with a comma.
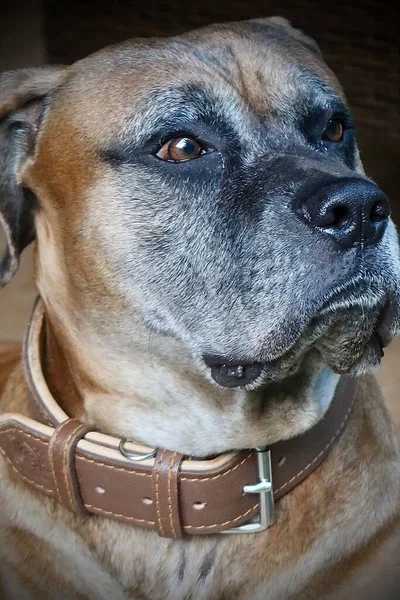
x: 180, y: 149
x: 334, y: 130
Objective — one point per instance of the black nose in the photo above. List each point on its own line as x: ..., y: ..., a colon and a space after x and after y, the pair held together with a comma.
x: 353, y: 211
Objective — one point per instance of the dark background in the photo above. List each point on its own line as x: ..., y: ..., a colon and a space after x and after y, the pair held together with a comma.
x: 359, y: 38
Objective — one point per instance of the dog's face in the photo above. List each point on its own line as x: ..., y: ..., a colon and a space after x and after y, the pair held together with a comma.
x: 211, y: 183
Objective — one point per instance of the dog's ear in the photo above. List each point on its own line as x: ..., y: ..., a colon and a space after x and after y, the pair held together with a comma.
x: 301, y: 37
x: 23, y: 97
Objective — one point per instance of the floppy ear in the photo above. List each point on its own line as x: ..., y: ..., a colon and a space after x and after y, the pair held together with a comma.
x: 297, y: 34
x: 22, y: 99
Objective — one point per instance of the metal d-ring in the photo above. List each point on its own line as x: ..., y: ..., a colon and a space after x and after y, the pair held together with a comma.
x: 134, y: 457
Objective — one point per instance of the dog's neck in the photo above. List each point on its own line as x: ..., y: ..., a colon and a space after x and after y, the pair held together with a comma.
x: 147, y: 396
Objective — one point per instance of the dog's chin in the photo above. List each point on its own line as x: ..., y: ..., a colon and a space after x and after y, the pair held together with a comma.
x: 366, y: 360
x: 347, y: 334
x: 342, y: 359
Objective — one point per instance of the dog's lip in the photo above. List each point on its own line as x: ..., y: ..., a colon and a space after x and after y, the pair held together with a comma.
x: 230, y: 374
x: 376, y: 338
x: 380, y: 343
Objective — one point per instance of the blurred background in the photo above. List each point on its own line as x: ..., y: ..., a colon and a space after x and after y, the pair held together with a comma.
x: 359, y: 39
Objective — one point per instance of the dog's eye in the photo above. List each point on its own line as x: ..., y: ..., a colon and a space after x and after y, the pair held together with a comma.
x: 334, y: 130
x: 180, y: 149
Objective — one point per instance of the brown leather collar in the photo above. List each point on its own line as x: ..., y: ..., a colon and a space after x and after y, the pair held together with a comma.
x: 90, y: 472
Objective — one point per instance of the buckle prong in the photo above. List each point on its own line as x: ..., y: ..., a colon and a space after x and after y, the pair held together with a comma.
x: 265, y: 489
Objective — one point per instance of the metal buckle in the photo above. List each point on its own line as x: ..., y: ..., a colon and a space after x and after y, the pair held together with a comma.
x: 265, y: 489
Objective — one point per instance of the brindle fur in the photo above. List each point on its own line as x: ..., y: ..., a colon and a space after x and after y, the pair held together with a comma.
x: 144, y: 267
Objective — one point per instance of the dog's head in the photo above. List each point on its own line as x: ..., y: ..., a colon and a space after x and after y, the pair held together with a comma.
x: 211, y: 184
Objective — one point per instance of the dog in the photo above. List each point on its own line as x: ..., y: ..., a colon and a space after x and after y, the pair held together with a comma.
x: 211, y: 261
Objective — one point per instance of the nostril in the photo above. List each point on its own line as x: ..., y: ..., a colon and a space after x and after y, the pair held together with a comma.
x: 338, y: 216
x: 379, y: 212
x: 342, y: 216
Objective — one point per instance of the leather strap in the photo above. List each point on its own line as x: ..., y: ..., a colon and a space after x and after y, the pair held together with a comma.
x: 86, y: 471
x: 165, y: 493
x: 62, y: 447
